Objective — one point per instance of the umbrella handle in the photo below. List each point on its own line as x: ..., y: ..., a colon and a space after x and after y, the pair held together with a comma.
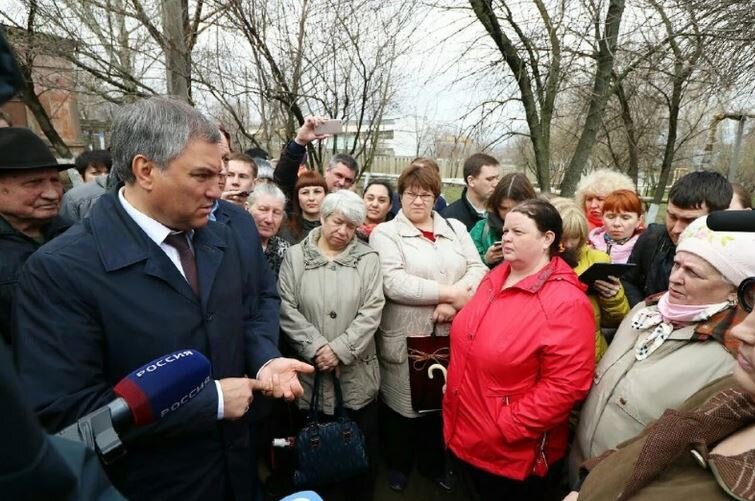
x: 443, y: 371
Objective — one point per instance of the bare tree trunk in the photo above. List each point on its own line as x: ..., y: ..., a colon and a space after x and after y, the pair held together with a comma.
x: 670, y: 149
x: 600, y: 94
x: 631, y: 133
x: 539, y: 124
x: 28, y: 92
x: 683, y: 69
x: 31, y: 100
x: 175, y: 15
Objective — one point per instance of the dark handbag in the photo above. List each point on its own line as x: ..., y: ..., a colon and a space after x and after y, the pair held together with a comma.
x: 328, y: 452
x: 426, y: 382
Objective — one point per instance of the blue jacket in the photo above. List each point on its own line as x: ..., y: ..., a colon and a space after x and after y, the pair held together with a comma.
x: 102, y: 299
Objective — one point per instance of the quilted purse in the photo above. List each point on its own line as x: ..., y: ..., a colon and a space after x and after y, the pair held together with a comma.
x: 328, y: 452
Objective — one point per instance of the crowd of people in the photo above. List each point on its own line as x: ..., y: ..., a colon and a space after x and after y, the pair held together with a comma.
x: 173, y: 240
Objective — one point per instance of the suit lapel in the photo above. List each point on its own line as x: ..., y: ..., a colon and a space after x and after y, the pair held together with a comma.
x: 209, y: 248
x: 160, y: 266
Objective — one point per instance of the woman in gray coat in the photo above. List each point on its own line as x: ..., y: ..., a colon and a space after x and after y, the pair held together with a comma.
x: 331, y: 291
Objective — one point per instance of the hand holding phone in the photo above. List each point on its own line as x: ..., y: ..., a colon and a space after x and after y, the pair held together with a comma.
x: 494, y: 253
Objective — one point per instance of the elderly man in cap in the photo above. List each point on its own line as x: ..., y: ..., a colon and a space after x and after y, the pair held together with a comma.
x: 146, y: 274
x: 30, y: 194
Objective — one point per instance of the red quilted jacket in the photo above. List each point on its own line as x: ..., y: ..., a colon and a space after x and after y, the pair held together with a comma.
x: 520, y: 360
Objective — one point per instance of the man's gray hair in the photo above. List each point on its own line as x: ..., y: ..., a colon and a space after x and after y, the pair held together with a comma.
x: 159, y: 128
x: 266, y: 189
x: 345, y: 202
x: 347, y: 160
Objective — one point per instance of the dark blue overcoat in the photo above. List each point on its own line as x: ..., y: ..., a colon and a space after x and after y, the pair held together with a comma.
x: 103, y: 299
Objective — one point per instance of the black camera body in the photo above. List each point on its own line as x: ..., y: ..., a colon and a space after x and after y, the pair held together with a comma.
x: 98, y: 430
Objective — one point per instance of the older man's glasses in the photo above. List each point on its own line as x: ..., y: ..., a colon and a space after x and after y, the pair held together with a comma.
x: 425, y: 198
x: 746, y: 294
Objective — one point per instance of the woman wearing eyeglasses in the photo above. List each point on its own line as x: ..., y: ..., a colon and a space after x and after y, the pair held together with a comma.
x: 667, y: 349
x: 430, y: 270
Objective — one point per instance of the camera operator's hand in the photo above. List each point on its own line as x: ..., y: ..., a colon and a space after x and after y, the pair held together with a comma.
x: 307, y: 134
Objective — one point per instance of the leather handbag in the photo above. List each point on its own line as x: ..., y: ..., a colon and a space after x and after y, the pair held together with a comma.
x: 328, y: 452
x: 428, y: 362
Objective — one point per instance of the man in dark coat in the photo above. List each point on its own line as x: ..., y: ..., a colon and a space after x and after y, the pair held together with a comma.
x: 481, y: 176
x: 342, y: 170
x: 146, y: 274
x: 692, y: 195
x: 30, y: 194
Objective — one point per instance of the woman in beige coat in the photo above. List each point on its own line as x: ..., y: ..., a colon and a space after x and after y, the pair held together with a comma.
x: 663, y: 353
x: 331, y: 291
x: 430, y: 270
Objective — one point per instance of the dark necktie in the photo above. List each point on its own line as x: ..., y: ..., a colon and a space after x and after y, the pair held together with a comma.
x: 188, y: 262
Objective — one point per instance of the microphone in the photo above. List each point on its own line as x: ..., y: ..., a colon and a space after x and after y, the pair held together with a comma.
x: 732, y: 220
x: 154, y: 390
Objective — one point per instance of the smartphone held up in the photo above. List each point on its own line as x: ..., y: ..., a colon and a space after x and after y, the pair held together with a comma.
x: 331, y: 127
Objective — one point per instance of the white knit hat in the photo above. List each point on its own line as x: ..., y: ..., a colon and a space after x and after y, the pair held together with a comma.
x: 732, y: 253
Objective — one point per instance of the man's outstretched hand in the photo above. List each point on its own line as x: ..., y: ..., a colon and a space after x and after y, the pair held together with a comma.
x: 279, y: 378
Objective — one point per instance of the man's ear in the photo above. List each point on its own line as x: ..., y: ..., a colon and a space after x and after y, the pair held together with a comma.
x: 144, y: 171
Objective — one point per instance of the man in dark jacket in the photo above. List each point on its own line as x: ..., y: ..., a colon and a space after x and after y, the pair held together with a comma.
x: 30, y: 194
x: 481, y: 175
x: 146, y: 274
x: 693, y: 195
x: 342, y: 170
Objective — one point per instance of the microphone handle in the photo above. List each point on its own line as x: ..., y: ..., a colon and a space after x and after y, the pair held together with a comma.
x: 120, y: 414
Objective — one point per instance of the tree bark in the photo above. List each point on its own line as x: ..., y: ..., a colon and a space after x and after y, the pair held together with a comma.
x: 670, y: 149
x: 539, y: 124
x: 31, y: 100
x: 175, y: 14
x: 631, y: 134
x: 600, y: 94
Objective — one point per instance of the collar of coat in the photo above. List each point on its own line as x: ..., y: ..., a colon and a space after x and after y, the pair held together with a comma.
x: 441, y: 226
x: 717, y: 328
x: 350, y: 256
x: 54, y: 228
x: 556, y: 269
x: 120, y: 242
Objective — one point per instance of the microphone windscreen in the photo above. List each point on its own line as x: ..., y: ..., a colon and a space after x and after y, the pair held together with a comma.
x: 164, y: 385
x: 732, y: 220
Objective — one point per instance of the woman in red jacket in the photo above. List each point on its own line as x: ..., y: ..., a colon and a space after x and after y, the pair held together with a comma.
x: 522, y: 355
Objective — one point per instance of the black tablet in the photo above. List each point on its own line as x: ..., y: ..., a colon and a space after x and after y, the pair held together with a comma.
x: 601, y: 271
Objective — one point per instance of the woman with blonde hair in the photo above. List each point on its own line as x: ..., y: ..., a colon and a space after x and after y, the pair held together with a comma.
x: 594, y: 188
x: 609, y: 303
